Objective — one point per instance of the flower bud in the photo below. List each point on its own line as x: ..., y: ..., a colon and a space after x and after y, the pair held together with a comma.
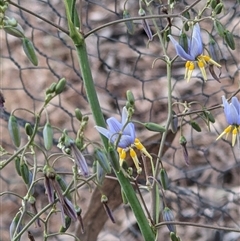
x: 17, y: 165
x: 51, y: 89
x: 154, y: 127
x: 168, y: 216
x: 102, y: 159
x: 128, y: 23
x: 60, y: 86
x: 130, y: 97
x: 174, y: 123
x: 13, y: 129
x: 218, y: 8
x: 195, y: 126
x: 16, y: 31
x: 164, y: 179
x: 209, y: 116
x: 24, y: 170
x: 29, y: 51
x: 219, y: 28
x: 228, y: 37
x: 28, y: 129
x: 213, y: 3
x: 48, y: 136
x: 78, y: 114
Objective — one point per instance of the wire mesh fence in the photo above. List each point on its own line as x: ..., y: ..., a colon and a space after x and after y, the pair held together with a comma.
x: 204, y: 192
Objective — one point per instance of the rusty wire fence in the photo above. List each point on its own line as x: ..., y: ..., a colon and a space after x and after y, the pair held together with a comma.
x: 206, y: 191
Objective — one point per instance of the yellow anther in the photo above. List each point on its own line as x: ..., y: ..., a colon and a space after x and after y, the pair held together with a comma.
x: 122, y: 155
x: 210, y: 60
x: 138, y: 144
x: 135, y: 160
x: 189, y: 67
x: 141, y: 147
x: 206, y: 58
x: 228, y: 129
x: 201, y: 66
x: 234, y: 135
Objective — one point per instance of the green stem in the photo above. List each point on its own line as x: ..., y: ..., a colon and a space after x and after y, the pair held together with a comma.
x: 80, y: 45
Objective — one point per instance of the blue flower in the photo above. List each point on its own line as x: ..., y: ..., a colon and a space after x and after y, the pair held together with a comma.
x: 232, y: 113
x: 193, y: 52
x: 124, y: 134
x: 116, y: 128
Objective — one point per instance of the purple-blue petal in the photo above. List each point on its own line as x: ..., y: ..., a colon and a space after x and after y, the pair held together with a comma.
x: 196, y: 48
x: 124, y: 115
x: 103, y: 131
x: 114, y: 125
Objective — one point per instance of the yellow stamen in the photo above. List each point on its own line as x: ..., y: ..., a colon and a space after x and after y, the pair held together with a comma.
x: 140, y: 147
x: 211, y: 61
x: 201, y: 66
x: 189, y: 67
x: 122, y: 155
x: 234, y: 135
x: 135, y: 160
x: 225, y: 132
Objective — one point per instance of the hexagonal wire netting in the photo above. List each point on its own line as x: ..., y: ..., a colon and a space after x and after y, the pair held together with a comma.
x: 206, y: 191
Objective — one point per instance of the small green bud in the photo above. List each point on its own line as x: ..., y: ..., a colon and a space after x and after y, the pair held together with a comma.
x: 14, y: 131
x: 17, y: 165
x: 209, y: 116
x: 101, y: 157
x: 219, y: 28
x: 60, y: 86
x: 228, y: 37
x: 24, y: 170
x: 164, y: 179
x: 129, y: 24
x: 67, y: 224
x: 29, y: 51
x: 130, y: 97
x: 48, y: 136
x: 78, y: 114
x: 16, y: 31
x: 28, y: 129
x: 218, y: 8
x: 213, y: 3
x: 195, y: 126
x: 154, y: 127
x: 51, y: 89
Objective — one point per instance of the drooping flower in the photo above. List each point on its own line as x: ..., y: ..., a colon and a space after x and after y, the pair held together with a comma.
x: 122, y: 134
x: 232, y: 113
x: 193, y: 52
